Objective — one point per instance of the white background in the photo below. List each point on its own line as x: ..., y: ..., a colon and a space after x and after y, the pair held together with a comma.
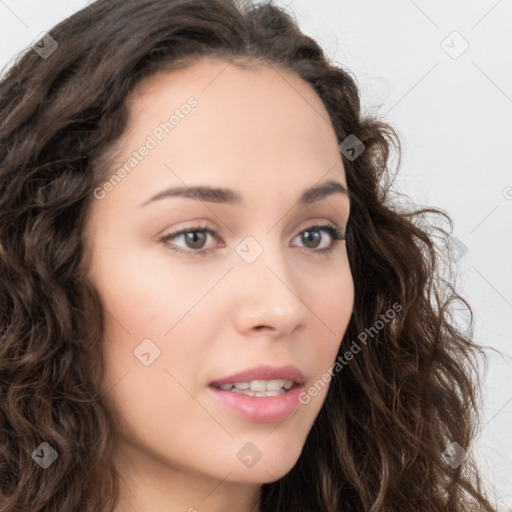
x: 454, y: 119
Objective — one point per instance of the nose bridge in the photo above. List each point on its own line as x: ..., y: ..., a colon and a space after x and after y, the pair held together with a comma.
x: 268, y: 293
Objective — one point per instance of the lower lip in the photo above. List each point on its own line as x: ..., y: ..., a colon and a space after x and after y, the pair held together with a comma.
x: 260, y: 408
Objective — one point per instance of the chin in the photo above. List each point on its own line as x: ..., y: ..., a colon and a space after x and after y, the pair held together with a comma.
x: 272, y: 464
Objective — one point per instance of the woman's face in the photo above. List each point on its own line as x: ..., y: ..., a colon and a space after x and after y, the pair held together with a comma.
x: 264, y: 292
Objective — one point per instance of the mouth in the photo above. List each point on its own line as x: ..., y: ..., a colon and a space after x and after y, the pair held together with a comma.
x: 275, y: 376
x: 262, y: 394
x: 259, y: 388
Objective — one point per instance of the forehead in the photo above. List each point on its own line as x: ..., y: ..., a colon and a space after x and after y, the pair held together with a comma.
x: 250, y: 127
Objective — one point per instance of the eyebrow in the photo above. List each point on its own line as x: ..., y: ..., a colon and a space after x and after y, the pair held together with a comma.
x: 227, y: 196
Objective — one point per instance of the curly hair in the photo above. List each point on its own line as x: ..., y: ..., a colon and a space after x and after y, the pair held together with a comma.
x: 389, y: 415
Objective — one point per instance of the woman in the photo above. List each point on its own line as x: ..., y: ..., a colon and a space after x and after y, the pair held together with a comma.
x: 208, y: 301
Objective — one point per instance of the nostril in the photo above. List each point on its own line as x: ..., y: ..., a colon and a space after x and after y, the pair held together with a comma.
x: 262, y: 327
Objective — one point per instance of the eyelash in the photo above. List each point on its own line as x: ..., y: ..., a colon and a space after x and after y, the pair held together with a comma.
x: 333, y: 230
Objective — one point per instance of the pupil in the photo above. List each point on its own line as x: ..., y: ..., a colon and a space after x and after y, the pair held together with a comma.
x: 315, y: 235
x: 194, y: 236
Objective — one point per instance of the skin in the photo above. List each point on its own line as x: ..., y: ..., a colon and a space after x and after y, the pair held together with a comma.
x: 265, y: 134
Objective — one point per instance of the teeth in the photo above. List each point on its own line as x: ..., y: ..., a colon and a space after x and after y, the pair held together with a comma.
x: 259, y: 387
x: 249, y: 392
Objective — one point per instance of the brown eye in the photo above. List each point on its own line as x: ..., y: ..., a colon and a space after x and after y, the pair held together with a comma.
x: 311, y: 238
x: 195, y: 240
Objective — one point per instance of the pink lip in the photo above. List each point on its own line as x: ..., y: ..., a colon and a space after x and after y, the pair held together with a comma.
x: 262, y: 409
x: 263, y: 372
x: 265, y: 408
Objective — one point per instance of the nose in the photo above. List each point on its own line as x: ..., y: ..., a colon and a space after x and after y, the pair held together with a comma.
x: 268, y: 298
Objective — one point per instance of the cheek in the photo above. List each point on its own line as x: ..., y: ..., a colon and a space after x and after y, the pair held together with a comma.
x: 331, y: 304
x: 331, y: 301
x: 147, y: 295
x: 337, y: 300
x: 149, y: 362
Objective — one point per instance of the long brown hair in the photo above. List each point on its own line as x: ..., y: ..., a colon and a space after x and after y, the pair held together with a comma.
x: 380, y: 440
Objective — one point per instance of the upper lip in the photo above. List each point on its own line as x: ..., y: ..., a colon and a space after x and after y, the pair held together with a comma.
x: 264, y: 372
